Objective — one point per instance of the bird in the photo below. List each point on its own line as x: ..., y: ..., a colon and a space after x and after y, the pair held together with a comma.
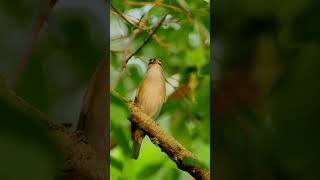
x: 150, y: 97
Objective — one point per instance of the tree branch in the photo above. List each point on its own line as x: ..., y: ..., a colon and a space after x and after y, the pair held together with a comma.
x: 93, y: 116
x: 80, y: 160
x: 179, y: 154
x: 176, y: 152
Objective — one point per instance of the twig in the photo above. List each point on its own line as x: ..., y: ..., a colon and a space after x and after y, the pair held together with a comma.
x: 119, y: 14
x: 157, y: 3
x: 139, y: 28
x: 117, y: 38
x: 117, y: 95
x: 144, y: 43
x: 141, y: 19
x: 138, y: 49
x: 137, y: 25
x: 161, y: 44
x: 119, y: 50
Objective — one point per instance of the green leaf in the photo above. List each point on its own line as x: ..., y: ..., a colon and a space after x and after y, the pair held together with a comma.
x: 122, y: 138
x: 171, y: 174
x: 116, y: 163
x: 149, y: 170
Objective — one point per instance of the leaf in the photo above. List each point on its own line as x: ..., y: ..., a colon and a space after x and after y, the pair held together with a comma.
x: 149, y: 170
x: 119, y: 114
x: 116, y: 163
x: 171, y: 174
x: 202, y: 93
x: 122, y: 139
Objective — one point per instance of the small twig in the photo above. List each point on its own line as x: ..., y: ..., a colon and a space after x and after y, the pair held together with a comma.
x: 157, y: 3
x: 139, y: 28
x: 137, y: 25
x: 119, y: 14
x: 141, y: 19
x: 138, y: 49
x: 144, y: 42
x: 119, y: 50
x: 159, y: 41
x: 117, y: 95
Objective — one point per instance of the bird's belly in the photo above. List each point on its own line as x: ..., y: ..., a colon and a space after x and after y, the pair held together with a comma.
x: 151, y: 101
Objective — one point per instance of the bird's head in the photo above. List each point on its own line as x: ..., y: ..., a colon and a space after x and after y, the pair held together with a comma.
x: 155, y: 60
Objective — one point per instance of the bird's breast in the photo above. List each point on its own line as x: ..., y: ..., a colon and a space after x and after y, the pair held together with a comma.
x: 152, y: 94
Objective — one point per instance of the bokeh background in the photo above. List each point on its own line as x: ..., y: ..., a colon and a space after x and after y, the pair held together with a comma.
x: 266, y: 112
x: 183, y: 44
x: 53, y: 77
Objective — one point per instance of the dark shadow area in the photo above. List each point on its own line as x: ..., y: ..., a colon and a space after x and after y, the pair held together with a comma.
x: 49, y: 50
x: 266, y: 112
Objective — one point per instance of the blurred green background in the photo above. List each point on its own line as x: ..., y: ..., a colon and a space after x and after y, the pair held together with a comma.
x: 266, y: 113
x: 53, y: 78
x: 183, y: 44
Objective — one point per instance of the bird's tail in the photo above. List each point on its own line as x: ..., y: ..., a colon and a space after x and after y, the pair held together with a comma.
x: 137, y: 135
x: 136, y: 149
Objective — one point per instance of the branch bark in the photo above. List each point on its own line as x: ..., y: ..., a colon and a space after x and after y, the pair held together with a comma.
x: 93, y: 117
x: 81, y: 161
x: 167, y: 143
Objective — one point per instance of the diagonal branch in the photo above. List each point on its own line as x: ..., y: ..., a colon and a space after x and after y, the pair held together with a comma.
x: 168, y: 144
x: 176, y: 152
x: 119, y: 14
x: 80, y: 159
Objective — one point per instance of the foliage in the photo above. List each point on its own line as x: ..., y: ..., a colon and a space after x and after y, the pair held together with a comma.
x: 53, y: 79
x: 182, y: 43
x: 266, y: 113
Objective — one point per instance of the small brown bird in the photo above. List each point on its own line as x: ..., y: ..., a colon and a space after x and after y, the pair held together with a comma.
x: 149, y: 98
